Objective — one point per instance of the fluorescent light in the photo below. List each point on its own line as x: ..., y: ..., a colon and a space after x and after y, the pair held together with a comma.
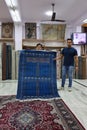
x: 18, y: 15
x: 13, y: 8
x: 15, y: 15
x: 85, y: 21
x: 11, y: 3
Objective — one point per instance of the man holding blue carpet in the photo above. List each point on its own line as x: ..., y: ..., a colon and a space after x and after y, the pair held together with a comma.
x: 70, y: 59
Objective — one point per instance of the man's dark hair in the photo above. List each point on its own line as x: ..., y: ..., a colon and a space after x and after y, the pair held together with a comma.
x: 69, y: 39
x: 39, y: 44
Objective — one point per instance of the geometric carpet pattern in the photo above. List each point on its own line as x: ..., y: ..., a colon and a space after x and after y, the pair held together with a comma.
x: 37, y: 75
x: 36, y: 115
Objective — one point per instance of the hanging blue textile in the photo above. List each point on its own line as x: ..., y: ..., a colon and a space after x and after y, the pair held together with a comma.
x: 37, y: 75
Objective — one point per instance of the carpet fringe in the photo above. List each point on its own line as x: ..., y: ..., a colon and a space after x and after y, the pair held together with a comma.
x: 47, y: 99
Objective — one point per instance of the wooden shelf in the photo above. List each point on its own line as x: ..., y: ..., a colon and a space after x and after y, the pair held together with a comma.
x: 32, y: 40
x: 41, y: 40
x: 26, y: 45
x: 6, y: 40
x: 46, y: 47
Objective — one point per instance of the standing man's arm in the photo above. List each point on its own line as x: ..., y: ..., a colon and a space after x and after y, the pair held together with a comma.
x: 76, y: 62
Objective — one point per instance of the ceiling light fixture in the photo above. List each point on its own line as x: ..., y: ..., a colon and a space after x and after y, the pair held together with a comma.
x: 49, y: 13
x: 13, y: 8
x: 15, y: 15
x: 11, y: 3
x: 85, y: 21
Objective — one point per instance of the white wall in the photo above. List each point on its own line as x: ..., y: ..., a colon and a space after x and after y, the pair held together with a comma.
x: 0, y: 29
x: 18, y: 37
x: 78, y: 29
x: 69, y: 30
x: 38, y: 29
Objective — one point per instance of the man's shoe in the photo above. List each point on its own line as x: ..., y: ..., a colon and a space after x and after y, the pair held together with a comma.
x: 69, y: 89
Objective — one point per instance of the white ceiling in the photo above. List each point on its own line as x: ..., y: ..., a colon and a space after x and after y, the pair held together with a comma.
x: 73, y: 11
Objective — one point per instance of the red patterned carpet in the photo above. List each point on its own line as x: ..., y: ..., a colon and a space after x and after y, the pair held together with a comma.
x: 36, y: 115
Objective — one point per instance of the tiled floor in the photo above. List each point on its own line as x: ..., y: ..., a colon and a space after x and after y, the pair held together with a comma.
x: 76, y: 100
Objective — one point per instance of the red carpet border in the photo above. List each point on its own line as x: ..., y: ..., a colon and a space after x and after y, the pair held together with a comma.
x: 36, y: 115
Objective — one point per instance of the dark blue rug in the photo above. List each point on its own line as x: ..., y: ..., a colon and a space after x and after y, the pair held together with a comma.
x: 37, y: 75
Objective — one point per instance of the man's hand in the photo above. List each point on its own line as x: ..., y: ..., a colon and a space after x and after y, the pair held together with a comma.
x: 59, y: 57
x: 55, y: 58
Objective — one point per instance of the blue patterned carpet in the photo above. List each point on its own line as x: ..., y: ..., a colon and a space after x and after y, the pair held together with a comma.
x: 37, y: 75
